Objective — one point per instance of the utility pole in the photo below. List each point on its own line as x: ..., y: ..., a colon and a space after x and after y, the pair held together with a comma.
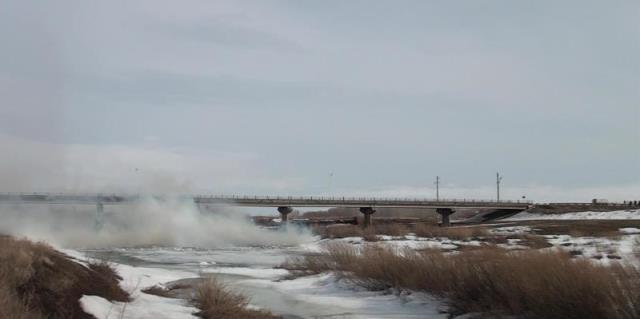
x: 498, y: 180
x: 437, y: 188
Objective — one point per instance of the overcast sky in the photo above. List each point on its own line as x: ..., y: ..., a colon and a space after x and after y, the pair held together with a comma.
x: 322, y: 97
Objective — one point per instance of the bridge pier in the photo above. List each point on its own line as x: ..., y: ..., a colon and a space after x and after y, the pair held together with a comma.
x: 284, y: 212
x: 99, y: 222
x: 367, y: 211
x: 444, y: 213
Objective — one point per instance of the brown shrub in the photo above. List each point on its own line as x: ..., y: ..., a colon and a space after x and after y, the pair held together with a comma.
x: 531, y: 284
x: 216, y: 301
x: 333, y: 258
x: 38, y: 281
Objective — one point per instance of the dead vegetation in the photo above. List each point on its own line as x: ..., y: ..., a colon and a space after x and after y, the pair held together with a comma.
x: 37, y: 281
x: 369, y: 234
x: 495, y: 282
x: 401, y: 230
x: 453, y: 233
x: 217, y: 301
x: 581, y: 228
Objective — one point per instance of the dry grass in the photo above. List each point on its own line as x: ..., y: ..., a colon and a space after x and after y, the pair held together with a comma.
x: 533, y: 241
x: 37, y: 281
x: 581, y: 228
x: 368, y: 234
x: 392, y: 229
x: 216, y: 301
x: 530, y: 284
x: 454, y: 233
x: 400, y: 230
x: 339, y: 231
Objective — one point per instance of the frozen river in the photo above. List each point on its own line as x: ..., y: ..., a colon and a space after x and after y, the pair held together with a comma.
x: 252, y: 271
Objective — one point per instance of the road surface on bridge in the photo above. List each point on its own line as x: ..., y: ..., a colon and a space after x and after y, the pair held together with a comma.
x: 264, y: 201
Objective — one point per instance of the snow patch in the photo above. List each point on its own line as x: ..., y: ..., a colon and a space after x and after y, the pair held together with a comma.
x: 142, y: 306
x: 511, y: 230
x: 618, y: 214
x: 328, y: 290
x: 630, y: 230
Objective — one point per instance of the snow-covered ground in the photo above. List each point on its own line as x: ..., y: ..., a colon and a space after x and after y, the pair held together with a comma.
x: 134, y: 279
x: 253, y: 271
x: 399, y: 243
x: 306, y: 297
x: 346, y: 301
x: 618, y: 214
x: 602, y: 249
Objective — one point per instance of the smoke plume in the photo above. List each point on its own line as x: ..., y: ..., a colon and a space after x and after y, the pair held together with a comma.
x: 175, y: 222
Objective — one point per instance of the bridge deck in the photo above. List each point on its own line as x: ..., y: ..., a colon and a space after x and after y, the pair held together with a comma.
x: 266, y: 201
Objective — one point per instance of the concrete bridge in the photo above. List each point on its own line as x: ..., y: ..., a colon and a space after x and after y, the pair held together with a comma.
x: 284, y: 204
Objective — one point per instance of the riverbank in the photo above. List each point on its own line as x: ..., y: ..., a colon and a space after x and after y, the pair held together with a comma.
x: 37, y: 281
x: 162, y: 282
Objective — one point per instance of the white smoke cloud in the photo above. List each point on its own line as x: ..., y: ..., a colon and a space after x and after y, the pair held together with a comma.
x: 30, y: 166
x: 170, y: 223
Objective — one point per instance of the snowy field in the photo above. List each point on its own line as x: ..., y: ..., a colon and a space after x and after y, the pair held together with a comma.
x: 254, y: 271
x: 619, y: 214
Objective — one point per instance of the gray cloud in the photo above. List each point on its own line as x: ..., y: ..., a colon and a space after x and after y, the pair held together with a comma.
x: 382, y: 93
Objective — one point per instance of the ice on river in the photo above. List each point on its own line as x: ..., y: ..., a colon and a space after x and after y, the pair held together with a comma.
x: 250, y: 271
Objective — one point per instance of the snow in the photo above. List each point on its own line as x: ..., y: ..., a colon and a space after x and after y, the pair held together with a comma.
x: 513, y: 244
x: 349, y: 301
x: 394, y: 242
x: 143, y: 306
x: 630, y: 230
x: 618, y: 214
x: 511, y: 230
x: 604, y: 250
x: 313, y: 296
x: 324, y: 295
x: 419, y: 244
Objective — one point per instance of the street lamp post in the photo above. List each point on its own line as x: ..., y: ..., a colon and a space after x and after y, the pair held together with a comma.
x: 498, y: 180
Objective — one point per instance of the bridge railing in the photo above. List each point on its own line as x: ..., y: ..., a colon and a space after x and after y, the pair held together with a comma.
x: 358, y: 199
x: 310, y: 198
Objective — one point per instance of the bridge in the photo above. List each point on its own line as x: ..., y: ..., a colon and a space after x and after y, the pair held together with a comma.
x: 284, y: 204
